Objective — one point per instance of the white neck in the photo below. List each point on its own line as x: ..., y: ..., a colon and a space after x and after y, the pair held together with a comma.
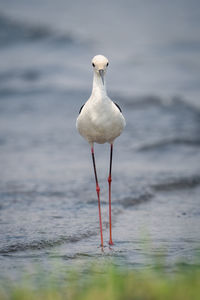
x: 98, y: 89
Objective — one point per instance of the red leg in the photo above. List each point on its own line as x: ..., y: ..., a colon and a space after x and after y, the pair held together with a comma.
x: 98, y: 195
x: 109, y: 183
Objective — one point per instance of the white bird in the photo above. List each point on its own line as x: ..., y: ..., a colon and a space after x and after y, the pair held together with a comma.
x: 100, y: 121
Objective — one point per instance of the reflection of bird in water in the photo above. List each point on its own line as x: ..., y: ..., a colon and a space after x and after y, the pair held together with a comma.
x: 100, y: 121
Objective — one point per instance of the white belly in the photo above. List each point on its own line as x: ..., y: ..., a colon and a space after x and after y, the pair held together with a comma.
x: 100, y: 122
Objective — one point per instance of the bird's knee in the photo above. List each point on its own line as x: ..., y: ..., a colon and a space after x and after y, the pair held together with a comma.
x: 109, y: 179
x: 97, y: 189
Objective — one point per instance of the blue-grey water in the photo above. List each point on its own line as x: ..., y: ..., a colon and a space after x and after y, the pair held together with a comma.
x: 48, y: 205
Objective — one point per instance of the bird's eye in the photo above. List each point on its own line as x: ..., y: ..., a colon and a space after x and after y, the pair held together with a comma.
x: 93, y: 64
x: 107, y: 64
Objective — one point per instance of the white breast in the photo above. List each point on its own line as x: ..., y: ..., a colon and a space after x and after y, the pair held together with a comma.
x: 100, y: 121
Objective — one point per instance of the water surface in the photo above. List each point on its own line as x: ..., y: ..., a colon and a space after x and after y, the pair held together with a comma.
x: 48, y: 205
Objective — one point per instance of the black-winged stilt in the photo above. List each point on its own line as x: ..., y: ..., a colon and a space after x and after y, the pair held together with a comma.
x: 100, y: 121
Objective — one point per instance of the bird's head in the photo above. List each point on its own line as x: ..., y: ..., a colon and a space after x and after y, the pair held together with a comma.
x: 100, y: 64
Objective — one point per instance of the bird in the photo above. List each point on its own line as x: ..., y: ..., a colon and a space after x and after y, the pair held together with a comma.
x: 100, y: 120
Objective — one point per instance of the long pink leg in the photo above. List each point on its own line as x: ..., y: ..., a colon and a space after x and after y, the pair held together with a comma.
x: 98, y: 194
x: 109, y: 182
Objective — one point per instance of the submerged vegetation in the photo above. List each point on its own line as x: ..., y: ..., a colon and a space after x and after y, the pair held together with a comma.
x: 110, y: 282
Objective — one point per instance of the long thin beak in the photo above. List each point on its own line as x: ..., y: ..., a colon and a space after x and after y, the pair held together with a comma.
x: 101, y: 73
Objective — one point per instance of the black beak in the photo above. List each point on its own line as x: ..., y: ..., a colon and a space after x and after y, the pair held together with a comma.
x: 101, y: 73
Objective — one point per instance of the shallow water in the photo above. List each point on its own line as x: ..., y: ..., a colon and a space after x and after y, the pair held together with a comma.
x: 48, y: 205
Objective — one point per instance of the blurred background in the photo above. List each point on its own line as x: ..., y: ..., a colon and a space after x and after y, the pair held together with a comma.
x: 153, y: 46
x: 48, y: 207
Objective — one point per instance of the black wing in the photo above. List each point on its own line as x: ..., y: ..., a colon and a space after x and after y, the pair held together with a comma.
x: 117, y: 107
x: 81, y: 109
